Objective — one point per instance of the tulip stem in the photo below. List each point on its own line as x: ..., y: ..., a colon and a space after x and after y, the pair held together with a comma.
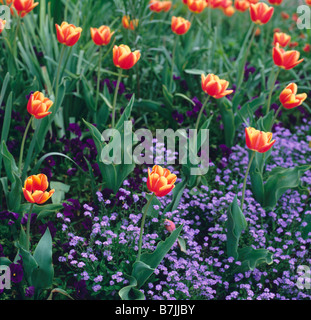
x: 115, y: 99
x: 271, y: 91
x: 98, y: 76
x: 142, y: 226
x: 173, y: 59
x: 201, y: 112
x: 58, y: 71
x: 28, y: 228
x: 275, y: 116
x: 245, y: 178
x: 23, y: 145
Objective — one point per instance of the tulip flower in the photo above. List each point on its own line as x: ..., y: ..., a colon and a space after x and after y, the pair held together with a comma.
x: 282, y: 38
x: 308, y: 2
x: 253, y: 1
x: 196, y: 6
x: 229, y: 11
x: 128, y: 23
x: 261, y: 13
x: 215, y: 87
x: 68, y: 34
x: 258, y: 141
x: 101, y: 36
x: 38, y: 105
x: 169, y: 225
x: 275, y: 2
x: 241, y: 5
x: 160, y: 181
x: 2, y: 25
x: 35, y: 189
x: 124, y: 58
x: 24, y: 6
x: 158, y: 6
x: 285, y: 59
x: 289, y: 97
x: 180, y: 25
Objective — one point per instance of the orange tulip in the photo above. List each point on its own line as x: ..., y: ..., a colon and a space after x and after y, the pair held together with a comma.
x: 285, y: 59
x: 258, y: 140
x: 101, y: 36
x: 35, y: 189
x: 68, y: 34
x: 158, y: 6
x: 241, y: 5
x: 261, y: 13
x: 253, y: 1
x: 160, y: 181
x: 275, y: 2
x: 308, y: 2
x: 180, y: 25
x: 38, y: 105
x: 2, y: 25
x: 123, y: 57
x: 289, y: 97
x: 196, y: 6
x: 282, y: 38
x: 24, y: 6
x: 215, y: 87
x: 128, y: 23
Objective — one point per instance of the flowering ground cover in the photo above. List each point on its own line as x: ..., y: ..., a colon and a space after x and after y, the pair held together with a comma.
x: 155, y: 150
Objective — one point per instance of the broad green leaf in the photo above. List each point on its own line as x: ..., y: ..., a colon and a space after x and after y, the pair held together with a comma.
x: 143, y: 269
x: 279, y: 181
x: 152, y: 212
x: 60, y: 190
x: 251, y: 258
x: 42, y: 277
x: 131, y: 292
x: 236, y: 223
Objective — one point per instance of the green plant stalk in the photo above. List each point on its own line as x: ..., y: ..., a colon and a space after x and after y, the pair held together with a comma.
x: 245, y: 178
x: 98, y: 76
x: 246, y: 55
x: 115, y: 99
x: 173, y: 59
x: 271, y: 91
x: 28, y: 228
x: 58, y: 71
x: 16, y: 35
x: 275, y: 116
x: 201, y: 112
x: 142, y: 227
x: 23, y: 145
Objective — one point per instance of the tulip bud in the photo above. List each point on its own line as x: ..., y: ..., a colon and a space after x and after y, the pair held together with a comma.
x: 169, y: 225
x: 180, y: 25
x: 261, y: 13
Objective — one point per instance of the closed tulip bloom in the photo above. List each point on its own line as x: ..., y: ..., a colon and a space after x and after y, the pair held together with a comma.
x: 35, y: 189
x: 285, y: 59
x: 275, y: 2
x: 24, y: 6
x: 261, y: 13
x: 38, y: 105
x: 180, y: 25
x: 101, y: 36
x: 229, y: 11
x: 307, y: 48
x: 282, y: 38
x: 196, y: 6
x: 68, y: 34
x: 169, y: 225
x: 215, y: 87
x: 241, y: 5
x: 128, y: 23
x: 124, y: 58
x: 2, y: 25
x: 289, y: 97
x: 258, y: 141
x: 160, y: 181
